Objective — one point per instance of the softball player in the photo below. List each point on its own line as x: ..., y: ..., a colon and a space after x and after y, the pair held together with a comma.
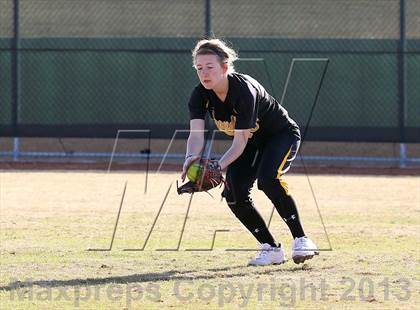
x: 265, y: 142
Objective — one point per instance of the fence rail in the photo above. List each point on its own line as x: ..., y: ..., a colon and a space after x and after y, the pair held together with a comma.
x: 88, y: 68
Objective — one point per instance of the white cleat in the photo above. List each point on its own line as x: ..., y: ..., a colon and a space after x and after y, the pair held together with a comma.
x: 268, y: 256
x: 303, y: 249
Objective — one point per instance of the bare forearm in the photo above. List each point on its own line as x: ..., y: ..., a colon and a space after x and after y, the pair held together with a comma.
x: 238, y: 146
x: 195, y: 145
x: 231, y: 155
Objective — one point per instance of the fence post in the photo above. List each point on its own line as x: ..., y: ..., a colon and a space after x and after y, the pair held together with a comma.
x: 15, y: 80
x: 208, y: 26
x: 402, y: 86
x: 208, y: 34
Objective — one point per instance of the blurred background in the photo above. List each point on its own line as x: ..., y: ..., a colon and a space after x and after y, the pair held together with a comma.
x: 86, y: 82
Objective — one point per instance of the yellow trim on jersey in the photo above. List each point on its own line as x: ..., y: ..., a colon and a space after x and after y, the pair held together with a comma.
x: 229, y: 127
x: 283, y: 183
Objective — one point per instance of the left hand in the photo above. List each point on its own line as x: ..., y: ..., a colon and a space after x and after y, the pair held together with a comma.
x: 210, y: 177
x: 188, y: 162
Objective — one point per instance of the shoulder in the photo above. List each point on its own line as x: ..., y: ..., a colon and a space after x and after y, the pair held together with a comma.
x: 198, y: 103
x: 241, y: 78
x: 199, y: 89
x: 243, y: 85
x: 199, y: 93
x: 247, y: 80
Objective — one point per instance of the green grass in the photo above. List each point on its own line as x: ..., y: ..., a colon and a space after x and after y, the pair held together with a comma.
x: 45, y: 235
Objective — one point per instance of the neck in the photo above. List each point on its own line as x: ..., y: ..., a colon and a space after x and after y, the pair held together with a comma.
x: 222, y: 88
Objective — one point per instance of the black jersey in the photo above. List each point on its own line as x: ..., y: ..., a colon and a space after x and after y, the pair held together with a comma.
x: 247, y: 106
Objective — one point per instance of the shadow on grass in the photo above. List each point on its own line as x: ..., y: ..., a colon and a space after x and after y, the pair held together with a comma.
x: 172, y: 275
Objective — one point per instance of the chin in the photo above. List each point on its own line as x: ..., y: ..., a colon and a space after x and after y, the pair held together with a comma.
x: 207, y: 86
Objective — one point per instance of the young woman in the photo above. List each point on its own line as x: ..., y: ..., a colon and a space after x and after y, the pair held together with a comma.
x: 265, y: 142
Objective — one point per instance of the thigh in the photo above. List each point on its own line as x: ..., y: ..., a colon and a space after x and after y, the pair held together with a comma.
x: 278, y: 154
x: 241, y: 174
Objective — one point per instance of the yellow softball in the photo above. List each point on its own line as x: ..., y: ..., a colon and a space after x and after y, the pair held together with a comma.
x: 193, y: 172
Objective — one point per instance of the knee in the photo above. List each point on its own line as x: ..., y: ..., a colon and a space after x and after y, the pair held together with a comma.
x: 267, y: 183
x: 273, y: 188
x: 235, y: 193
x: 236, y: 203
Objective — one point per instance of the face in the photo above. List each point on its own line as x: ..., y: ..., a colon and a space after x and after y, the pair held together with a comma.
x: 210, y: 71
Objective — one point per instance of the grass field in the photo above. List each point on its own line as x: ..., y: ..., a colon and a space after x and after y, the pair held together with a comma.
x: 49, y: 220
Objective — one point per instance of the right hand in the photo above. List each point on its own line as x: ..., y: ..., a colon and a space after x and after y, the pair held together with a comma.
x: 188, y: 162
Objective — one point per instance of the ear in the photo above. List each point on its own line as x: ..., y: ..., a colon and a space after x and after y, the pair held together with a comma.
x: 225, y: 67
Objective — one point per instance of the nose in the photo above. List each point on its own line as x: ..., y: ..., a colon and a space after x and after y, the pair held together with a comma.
x: 204, y: 71
x: 204, y: 75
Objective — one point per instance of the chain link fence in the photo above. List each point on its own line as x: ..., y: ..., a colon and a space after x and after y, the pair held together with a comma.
x: 87, y: 68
